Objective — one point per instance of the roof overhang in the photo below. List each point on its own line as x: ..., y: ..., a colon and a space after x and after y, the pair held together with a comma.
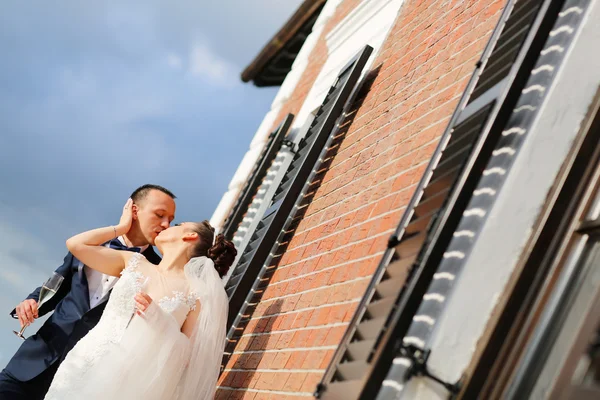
x: 274, y: 62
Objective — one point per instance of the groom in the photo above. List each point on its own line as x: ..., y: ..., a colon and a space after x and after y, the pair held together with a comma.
x: 80, y: 301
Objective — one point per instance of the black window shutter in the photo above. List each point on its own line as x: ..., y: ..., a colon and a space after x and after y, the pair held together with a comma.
x: 253, y: 217
x: 256, y: 177
x: 385, y: 313
x: 258, y: 255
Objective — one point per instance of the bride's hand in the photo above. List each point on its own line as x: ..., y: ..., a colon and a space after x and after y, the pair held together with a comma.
x: 142, y: 302
x: 126, y: 217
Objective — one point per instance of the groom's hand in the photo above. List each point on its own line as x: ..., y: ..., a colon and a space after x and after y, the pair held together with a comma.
x: 27, y: 312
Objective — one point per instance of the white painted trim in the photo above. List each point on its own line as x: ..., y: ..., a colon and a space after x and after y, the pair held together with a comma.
x: 358, y: 17
x: 369, y: 23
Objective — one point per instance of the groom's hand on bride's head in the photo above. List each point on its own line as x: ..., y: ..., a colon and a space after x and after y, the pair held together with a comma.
x: 127, y: 216
x: 27, y: 312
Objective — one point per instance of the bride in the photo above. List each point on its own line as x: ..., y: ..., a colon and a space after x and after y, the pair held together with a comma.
x: 162, y: 334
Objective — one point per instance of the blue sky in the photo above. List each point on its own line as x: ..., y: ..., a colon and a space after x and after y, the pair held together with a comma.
x: 97, y: 98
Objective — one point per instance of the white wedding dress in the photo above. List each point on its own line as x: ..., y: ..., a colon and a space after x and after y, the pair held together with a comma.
x: 148, y: 357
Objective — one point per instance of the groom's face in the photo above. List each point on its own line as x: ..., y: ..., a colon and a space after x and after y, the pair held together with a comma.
x: 154, y: 214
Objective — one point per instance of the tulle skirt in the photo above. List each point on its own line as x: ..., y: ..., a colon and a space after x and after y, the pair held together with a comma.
x: 147, y: 363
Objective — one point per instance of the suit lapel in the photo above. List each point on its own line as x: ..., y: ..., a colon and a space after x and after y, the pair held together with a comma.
x: 82, y: 281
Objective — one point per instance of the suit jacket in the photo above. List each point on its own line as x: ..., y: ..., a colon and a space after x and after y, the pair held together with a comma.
x: 72, y: 319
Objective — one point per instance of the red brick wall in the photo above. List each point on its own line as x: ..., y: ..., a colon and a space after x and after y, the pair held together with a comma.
x: 370, y: 174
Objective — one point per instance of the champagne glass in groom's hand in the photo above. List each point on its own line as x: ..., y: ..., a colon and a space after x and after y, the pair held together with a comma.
x: 48, y: 290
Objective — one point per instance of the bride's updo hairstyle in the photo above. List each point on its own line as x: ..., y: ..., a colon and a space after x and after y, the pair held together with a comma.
x: 222, y: 252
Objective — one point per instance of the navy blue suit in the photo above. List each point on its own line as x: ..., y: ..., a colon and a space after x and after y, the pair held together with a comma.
x: 29, y: 373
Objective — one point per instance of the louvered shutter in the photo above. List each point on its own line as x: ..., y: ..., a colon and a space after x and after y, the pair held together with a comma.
x: 386, y: 311
x: 255, y: 179
x: 515, y: 133
x: 235, y: 285
x: 259, y: 254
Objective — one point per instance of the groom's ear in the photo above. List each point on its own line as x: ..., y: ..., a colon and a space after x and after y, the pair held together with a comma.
x: 134, y: 210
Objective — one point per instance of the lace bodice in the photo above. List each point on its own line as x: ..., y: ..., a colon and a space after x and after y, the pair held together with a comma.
x: 170, y: 304
x: 173, y: 295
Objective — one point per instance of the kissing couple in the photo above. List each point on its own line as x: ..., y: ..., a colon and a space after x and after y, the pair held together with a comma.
x: 126, y: 323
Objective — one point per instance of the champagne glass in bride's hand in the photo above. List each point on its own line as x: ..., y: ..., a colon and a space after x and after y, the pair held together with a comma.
x: 48, y: 290
x: 143, y: 289
x: 143, y: 281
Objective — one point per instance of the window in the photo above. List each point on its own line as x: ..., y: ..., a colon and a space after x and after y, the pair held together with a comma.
x: 259, y: 254
x: 256, y: 178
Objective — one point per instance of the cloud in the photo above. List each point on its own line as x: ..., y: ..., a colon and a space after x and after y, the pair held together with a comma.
x: 207, y: 64
x: 174, y: 61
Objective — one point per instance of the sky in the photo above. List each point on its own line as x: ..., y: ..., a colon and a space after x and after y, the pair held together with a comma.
x: 98, y: 98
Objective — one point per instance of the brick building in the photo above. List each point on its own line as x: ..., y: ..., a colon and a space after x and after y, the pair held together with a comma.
x: 416, y: 216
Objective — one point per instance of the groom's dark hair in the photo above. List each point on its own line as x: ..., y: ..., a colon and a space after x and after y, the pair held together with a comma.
x: 140, y: 193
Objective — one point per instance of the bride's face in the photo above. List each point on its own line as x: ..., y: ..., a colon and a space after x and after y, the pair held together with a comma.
x: 175, y: 234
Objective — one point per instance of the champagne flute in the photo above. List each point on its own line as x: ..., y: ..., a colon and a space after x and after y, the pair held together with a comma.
x: 143, y: 288
x: 48, y: 290
x: 144, y: 280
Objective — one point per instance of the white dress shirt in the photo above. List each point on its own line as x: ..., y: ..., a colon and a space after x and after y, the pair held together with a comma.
x: 99, y: 284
